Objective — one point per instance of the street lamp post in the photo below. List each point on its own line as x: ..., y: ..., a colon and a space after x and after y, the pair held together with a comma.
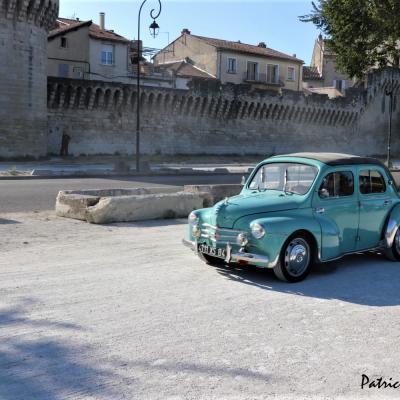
x: 389, y: 92
x: 154, y: 29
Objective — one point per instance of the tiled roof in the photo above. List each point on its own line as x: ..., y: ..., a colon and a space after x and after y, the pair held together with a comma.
x: 185, y: 69
x: 246, y: 48
x: 311, y: 74
x: 64, y: 25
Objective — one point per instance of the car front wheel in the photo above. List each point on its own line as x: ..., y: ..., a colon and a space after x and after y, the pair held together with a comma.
x: 295, y: 260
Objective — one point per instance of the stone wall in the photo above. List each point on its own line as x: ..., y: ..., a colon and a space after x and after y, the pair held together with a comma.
x: 23, y: 54
x: 100, y: 117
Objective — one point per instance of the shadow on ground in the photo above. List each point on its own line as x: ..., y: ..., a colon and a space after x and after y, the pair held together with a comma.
x: 40, y: 360
x: 366, y: 279
x: 150, y: 224
x: 8, y: 222
x: 199, y: 369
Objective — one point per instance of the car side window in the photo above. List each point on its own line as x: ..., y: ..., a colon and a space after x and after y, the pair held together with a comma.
x: 372, y: 181
x: 337, y: 184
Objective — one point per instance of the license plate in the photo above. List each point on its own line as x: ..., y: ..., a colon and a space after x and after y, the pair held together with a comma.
x: 212, y: 251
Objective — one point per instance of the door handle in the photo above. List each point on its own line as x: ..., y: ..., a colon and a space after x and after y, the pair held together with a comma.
x: 387, y: 203
x: 320, y: 210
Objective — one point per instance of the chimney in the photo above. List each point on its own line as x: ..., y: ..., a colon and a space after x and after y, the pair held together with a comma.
x: 262, y: 45
x: 186, y: 31
x: 102, y: 21
x: 295, y: 55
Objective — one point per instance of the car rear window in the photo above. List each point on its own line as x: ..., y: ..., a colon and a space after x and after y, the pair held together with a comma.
x: 372, y: 181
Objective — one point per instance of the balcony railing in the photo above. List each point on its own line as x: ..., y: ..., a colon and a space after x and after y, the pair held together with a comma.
x: 250, y: 76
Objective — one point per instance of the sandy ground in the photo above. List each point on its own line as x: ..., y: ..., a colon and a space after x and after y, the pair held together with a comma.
x: 125, y: 312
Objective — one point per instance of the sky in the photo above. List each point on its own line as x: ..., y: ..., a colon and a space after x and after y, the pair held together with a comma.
x: 274, y: 22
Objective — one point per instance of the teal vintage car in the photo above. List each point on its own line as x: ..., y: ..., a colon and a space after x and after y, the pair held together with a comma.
x: 299, y: 209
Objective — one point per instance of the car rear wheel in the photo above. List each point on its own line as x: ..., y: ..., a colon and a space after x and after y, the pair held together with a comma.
x: 295, y: 260
x: 393, y: 253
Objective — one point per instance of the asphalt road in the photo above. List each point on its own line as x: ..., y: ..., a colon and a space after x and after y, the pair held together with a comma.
x: 125, y: 312
x: 40, y: 194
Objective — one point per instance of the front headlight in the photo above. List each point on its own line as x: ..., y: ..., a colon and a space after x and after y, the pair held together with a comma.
x: 193, y: 218
x: 257, y: 231
x: 242, y: 240
x: 196, y: 231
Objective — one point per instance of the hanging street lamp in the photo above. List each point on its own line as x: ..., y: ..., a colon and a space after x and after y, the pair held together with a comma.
x: 154, y: 30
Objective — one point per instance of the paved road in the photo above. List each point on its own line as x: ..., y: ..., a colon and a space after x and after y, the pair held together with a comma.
x: 125, y: 312
x: 40, y: 194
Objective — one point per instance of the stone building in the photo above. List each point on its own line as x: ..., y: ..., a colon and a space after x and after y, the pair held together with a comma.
x: 183, y: 72
x: 235, y: 62
x: 322, y: 75
x: 85, y: 50
x: 23, y: 52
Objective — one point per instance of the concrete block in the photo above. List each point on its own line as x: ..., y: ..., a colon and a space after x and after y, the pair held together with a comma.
x: 144, y: 207
x: 125, y: 205
x: 74, y: 205
x: 216, y: 192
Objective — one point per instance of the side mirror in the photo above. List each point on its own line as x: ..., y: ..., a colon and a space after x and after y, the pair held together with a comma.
x: 323, y: 193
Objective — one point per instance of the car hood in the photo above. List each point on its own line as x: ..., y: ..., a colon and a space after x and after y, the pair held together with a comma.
x: 227, y: 212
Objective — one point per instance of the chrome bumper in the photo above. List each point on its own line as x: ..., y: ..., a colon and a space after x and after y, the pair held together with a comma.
x: 236, y: 257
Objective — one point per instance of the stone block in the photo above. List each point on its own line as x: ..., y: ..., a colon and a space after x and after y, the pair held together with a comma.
x: 74, y: 205
x: 125, y: 205
x: 144, y: 207
x: 216, y: 192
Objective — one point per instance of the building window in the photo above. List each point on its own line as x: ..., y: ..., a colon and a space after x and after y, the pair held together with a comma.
x: 63, y: 42
x: 291, y: 74
x: 340, y: 85
x: 107, y: 55
x: 232, y: 65
x: 63, y: 70
x: 252, y: 71
x: 77, y: 73
x: 272, y: 73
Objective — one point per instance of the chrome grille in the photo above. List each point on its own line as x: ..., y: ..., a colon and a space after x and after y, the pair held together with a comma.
x: 217, y: 235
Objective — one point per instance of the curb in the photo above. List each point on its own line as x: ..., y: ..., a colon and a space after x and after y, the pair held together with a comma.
x: 184, y: 172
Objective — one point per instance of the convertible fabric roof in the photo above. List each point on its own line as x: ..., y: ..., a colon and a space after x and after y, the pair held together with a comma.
x: 334, y: 159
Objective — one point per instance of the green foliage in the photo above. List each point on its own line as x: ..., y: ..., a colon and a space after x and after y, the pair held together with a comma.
x: 364, y: 34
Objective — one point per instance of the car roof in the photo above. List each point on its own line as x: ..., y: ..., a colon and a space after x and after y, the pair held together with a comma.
x: 335, y: 159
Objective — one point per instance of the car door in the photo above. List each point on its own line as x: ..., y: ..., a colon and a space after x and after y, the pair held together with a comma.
x: 335, y: 206
x: 375, y: 205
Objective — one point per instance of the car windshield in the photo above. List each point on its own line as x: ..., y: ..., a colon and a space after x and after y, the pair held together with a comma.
x: 286, y: 177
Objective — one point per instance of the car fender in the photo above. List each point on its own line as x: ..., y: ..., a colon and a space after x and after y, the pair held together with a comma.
x: 279, y: 229
x: 391, y: 226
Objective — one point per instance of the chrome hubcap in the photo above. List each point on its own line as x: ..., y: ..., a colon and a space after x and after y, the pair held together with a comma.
x: 297, y: 256
x: 397, y: 241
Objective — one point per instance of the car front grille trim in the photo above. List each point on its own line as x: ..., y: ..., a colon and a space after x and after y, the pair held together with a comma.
x: 221, y: 236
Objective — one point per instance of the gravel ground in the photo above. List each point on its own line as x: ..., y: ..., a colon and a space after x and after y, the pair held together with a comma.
x: 125, y: 312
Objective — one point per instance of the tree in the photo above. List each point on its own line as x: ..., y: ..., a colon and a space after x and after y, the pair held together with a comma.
x: 364, y: 34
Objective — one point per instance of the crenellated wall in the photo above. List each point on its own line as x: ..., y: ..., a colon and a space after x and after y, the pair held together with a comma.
x: 23, y: 53
x: 101, y: 118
